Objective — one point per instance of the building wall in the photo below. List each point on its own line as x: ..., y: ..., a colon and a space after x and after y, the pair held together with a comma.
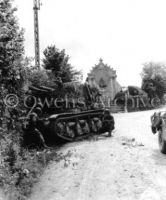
x: 105, y: 78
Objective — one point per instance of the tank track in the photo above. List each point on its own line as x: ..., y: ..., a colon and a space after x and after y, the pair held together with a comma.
x: 73, y: 126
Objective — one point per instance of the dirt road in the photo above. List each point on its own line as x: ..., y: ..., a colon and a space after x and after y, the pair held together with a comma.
x: 127, y: 166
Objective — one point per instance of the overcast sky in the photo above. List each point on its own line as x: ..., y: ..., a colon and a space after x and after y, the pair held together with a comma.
x: 124, y: 33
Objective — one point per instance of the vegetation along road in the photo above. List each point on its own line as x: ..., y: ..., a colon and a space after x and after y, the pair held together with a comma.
x: 126, y: 166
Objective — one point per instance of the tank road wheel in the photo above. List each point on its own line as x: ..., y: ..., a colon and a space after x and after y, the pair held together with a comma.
x: 79, y: 129
x: 70, y: 129
x: 162, y: 142
x: 98, y: 124
x: 93, y: 126
x: 60, y: 128
x: 85, y: 127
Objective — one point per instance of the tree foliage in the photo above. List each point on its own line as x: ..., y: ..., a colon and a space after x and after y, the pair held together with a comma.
x: 57, y: 62
x: 11, y: 46
x: 154, y: 79
x: 38, y: 77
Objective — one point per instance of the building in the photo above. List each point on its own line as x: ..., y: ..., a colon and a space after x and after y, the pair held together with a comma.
x: 105, y: 78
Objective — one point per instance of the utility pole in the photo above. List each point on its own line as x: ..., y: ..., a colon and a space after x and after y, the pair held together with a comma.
x: 36, y: 32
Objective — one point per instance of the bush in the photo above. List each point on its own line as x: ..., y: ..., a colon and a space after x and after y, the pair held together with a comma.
x: 20, y: 168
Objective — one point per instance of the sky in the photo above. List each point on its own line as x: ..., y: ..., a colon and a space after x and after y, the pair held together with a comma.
x: 124, y: 33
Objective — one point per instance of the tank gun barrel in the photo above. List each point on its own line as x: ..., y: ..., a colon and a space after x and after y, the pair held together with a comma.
x: 49, y: 89
x: 36, y: 89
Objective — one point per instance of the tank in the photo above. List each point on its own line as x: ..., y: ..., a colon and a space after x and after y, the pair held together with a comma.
x: 158, y: 125
x: 68, y: 112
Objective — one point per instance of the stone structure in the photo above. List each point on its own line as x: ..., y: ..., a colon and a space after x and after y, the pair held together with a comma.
x: 105, y: 78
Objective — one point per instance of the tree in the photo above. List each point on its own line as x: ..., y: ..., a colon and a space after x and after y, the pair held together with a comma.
x: 11, y: 46
x: 154, y: 79
x: 37, y: 77
x: 58, y: 63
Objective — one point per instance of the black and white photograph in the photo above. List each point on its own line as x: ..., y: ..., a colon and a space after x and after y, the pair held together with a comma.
x: 82, y: 100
